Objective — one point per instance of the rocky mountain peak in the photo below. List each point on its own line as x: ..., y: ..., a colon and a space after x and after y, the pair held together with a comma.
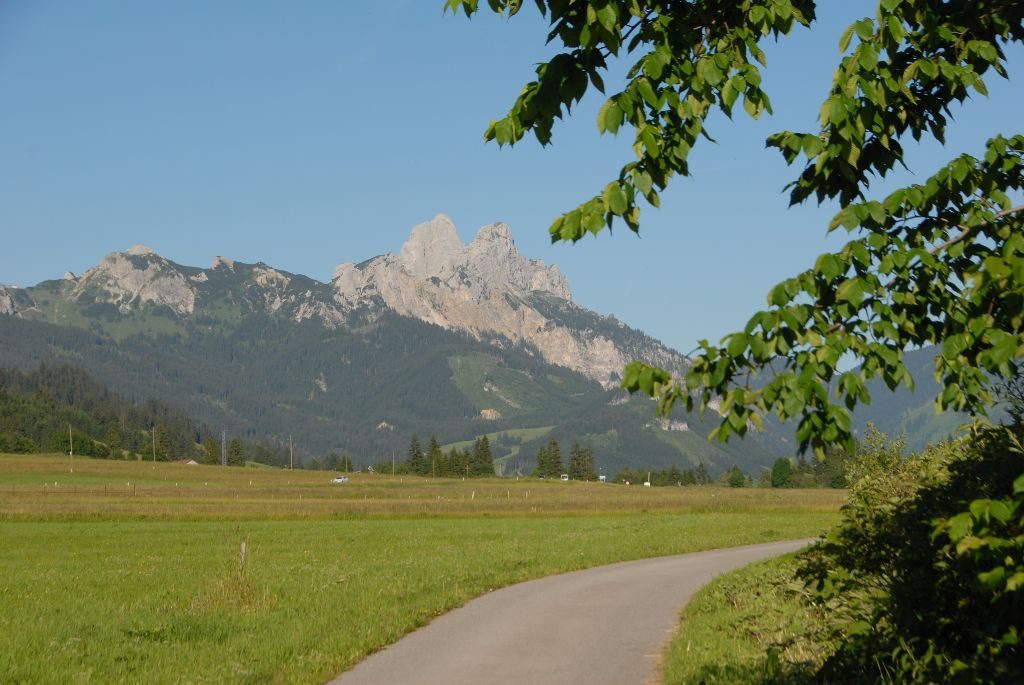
x: 495, y: 233
x: 434, y: 257
x: 484, y: 287
x: 432, y: 248
x: 137, y: 276
x: 219, y: 262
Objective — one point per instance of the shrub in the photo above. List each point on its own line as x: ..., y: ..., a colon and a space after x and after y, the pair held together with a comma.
x: 922, y: 581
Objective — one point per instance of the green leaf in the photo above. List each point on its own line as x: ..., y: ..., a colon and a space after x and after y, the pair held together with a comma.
x: 852, y: 291
x: 829, y: 266
x: 737, y: 344
x: 614, y: 199
x: 642, y: 181
x: 609, y: 117
x: 608, y: 16
x: 655, y: 62
x: 647, y: 93
x: 844, y: 40
x: 751, y: 107
x: 959, y: 526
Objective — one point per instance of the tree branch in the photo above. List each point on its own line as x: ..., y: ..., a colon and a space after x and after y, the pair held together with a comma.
x: 968, y: 230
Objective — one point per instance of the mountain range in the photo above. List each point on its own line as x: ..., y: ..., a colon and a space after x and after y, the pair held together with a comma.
x: 442, y: 338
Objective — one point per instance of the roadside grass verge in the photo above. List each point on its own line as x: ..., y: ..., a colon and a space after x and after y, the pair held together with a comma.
x: 748, y: 626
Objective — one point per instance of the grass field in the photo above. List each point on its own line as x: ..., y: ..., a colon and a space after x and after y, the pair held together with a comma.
x: 133, y: 572
x: 748, y: 627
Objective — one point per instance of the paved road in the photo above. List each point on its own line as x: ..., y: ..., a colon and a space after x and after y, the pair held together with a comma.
x: 605, y: 625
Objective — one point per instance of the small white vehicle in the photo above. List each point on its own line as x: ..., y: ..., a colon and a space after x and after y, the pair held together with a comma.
x: 565, y: 476
x: 340, y: 479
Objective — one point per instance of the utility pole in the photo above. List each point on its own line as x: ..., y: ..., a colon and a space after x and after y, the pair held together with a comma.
x: 71, y: 449
x: 223, y: 448
x: 291, y: 455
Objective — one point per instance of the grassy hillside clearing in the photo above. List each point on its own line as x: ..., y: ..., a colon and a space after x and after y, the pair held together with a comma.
x: 105, y: 586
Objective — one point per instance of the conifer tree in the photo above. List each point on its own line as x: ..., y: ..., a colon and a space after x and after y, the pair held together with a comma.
x: 581, y: 462
x: 456, y: 464
x: 482, y: 462
x: 553, y: 467
x: 236, y: 452
x: 701, y: 475
x: 163, y: 443
x: 211, y: 451
x: 735, y: 478
x: 782, y: 473
x: 434, y: 456
x: 416, y: 460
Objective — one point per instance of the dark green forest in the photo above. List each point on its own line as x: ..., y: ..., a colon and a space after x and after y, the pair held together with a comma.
x: 56, y: 408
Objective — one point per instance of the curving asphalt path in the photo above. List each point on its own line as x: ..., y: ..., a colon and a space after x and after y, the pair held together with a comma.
x: 601, y: 626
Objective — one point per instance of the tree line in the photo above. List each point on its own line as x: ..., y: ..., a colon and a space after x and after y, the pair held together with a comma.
x: 433, y: 461
x: 579, y: 467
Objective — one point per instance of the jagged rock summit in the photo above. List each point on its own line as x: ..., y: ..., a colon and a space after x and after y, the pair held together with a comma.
x: 433, y: 252
x: 489, y: 287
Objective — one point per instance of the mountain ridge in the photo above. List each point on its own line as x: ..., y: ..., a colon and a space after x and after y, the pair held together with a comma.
x: 484, y: 288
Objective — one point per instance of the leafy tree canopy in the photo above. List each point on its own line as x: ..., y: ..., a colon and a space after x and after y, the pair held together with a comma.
x: 936, y: 262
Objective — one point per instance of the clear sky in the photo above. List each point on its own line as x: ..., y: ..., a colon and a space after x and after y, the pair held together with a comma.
x: 309, y: 134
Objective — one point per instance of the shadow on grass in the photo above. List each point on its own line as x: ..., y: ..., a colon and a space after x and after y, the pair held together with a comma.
x: 765, y: 672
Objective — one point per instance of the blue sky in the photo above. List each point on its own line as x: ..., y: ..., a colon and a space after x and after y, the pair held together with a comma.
x: 309, y: 134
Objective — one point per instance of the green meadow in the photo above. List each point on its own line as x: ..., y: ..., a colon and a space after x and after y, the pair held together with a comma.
x: 135, y: 572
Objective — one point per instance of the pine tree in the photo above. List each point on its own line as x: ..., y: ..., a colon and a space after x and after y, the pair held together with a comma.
x: 416, y: 460
x: 581, y: 462
x: 735, y: 478
x: 782, y: 473
x: 163, y: 443
x: 434, y: 456
x: 455, y: 464
x: 211, y: 451
x: 236, y: 452
x: 701, y: 475
x: 552, y: 466
x: 482, y: 463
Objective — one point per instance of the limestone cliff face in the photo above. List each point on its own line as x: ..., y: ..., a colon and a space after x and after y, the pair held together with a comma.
x: 7, y: 306
x: 137, y: 277
x: 489, y: 287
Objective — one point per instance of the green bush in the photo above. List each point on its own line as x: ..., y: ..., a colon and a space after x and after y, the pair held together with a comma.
x: 922, y: 581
